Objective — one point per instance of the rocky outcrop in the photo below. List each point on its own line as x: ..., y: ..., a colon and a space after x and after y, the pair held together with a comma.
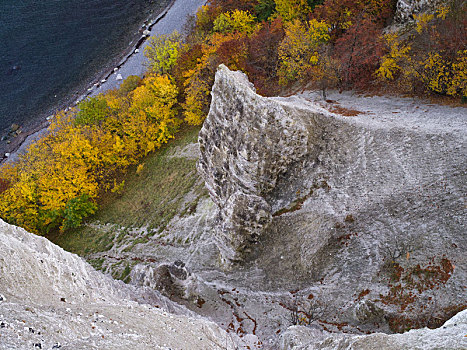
x: 172, y: 280
x: 405, y: 9
x: 51, y: 299
x: 238, y: 170
x: 363, y: 213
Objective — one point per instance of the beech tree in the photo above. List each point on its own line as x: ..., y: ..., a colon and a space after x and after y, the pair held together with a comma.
x: 427, y: 58
x: 162, y: 52
x: 263, y: 57
x: 265, y: 9
x: 128, y: 85
x: 152, y: 111
x: 4, y: 185
x: 298, y: 52
x: 291, y: 10
x: 235, y: 21
x: 92, y: 110
x: 324, y: 73
x: 200, y: 79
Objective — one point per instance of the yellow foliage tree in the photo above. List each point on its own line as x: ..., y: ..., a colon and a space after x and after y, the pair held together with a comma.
x: 55, y: 184
x: 397, y: 60
x: 444, y: 76
x: 420, y: 61
x: 291, y: 10
x: 162, y: 52
x: 299, y: 51
x: 151, y: 110
x: 235, y: 21
x: 55, y: 170
x: 200, y: 79
x: 197, y: 99
x: 458, y: 84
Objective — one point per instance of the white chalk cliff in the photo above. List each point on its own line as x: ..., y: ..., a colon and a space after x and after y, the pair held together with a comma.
x: 346, y: 216
x: 52, y: 299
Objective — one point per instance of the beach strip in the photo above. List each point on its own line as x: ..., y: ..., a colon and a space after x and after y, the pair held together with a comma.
x: 172, y: 18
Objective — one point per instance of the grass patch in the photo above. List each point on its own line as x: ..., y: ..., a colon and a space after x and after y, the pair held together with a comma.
x: 135, y: 242
x: 125, y: 275
x: 97, y: 263
x: 85, y: 240
x: 150, y: 198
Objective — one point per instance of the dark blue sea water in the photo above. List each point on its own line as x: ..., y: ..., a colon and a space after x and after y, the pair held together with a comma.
x: 49, y: 48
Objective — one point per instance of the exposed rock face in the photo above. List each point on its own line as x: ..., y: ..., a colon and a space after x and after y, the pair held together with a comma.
x: 450, y: 336
x: 407, y: 8
x: 366, y: 214
x: 238, y: 170
x: 173, y: 280
x: 51, y: 299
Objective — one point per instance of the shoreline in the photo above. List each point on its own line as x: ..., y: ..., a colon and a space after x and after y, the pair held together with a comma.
x: 131, y: 62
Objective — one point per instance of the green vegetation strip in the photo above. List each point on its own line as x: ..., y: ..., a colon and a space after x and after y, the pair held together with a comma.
x: 150, y: 198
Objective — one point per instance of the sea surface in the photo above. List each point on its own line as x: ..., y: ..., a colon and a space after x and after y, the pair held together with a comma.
x: 51, y: 49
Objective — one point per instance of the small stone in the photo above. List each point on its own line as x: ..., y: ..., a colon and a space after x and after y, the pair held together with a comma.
x: 63, y: 299
x: 2, y: 297
x: 57, y: 346
x: 7, y: 154
x: 38, y: 345
x: 146, y: 32
x: 136, y: 50
x: 14, y: 127
x: 119, y: 77
x: 4, y: 138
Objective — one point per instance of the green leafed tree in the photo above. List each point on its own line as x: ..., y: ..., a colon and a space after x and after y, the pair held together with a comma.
x: 162, y: 52
x: 128, y: 85
x: 77, y: 209
x: 92, y: 110
x: 265, y: 9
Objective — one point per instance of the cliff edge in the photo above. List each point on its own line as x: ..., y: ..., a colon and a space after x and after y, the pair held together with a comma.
x: 52, y: 299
